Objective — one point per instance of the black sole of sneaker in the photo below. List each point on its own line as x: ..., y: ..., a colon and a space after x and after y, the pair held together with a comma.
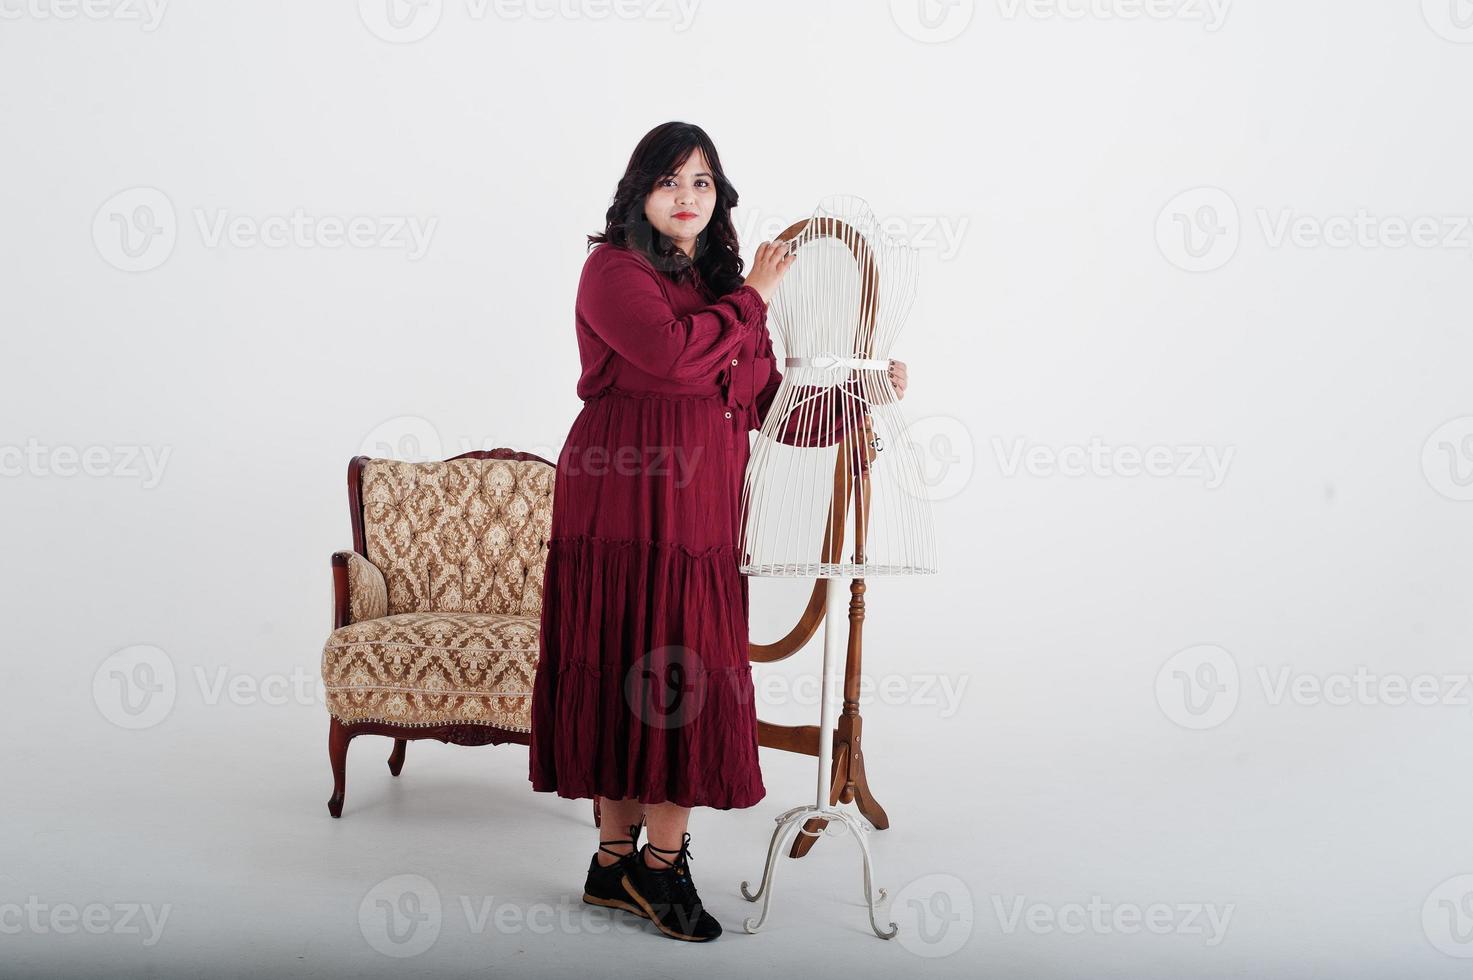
x: 649, y: 913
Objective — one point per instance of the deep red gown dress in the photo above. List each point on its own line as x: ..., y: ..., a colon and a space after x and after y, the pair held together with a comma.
x: 643, y: 687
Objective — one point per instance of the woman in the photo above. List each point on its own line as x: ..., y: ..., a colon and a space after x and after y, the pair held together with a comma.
x: 643, y: 694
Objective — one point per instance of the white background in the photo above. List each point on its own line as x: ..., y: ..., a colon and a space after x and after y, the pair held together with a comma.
x: 1101, y: 188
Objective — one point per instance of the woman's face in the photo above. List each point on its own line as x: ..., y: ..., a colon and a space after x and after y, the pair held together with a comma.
x: 680, y: 206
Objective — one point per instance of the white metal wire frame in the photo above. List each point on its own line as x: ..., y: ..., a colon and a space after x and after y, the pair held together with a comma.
x: 830, y: 465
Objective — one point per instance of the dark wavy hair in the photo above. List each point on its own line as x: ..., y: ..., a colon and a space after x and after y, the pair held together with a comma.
x: 662, y: 151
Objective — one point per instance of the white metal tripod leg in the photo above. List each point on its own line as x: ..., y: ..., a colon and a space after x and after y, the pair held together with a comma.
x: 870, y: 896
x: 773, y: 850
x: 821, y: 807
x: 780, y: 836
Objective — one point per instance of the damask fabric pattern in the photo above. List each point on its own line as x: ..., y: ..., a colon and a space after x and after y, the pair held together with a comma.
x: 434, y: 669
x: 368, y: 595
x: 444, y: 610
x: 463, y: 535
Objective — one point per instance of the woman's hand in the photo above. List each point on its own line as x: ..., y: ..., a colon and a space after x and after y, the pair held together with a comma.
x: 769, y: 267
x: 897, y: 377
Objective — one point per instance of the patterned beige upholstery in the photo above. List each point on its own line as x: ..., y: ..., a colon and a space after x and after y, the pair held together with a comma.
x: 368, y: 596
x: 465, y: 535
x: 445, y: 609
x: 434, y: 669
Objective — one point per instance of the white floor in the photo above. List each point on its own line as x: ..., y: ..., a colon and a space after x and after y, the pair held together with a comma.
x: 214, y: 822
x: 226, y: 838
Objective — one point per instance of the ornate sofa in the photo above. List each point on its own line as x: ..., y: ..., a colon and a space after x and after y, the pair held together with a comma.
x: 436, y: 610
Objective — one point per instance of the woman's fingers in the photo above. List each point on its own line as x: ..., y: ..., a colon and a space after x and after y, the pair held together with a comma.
x: 775, y: 254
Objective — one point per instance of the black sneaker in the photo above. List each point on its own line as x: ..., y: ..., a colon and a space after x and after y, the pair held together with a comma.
x: 605, y: 884
x: 668, y: 895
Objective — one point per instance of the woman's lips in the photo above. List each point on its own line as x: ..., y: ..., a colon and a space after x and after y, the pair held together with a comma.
x: 687, y: 215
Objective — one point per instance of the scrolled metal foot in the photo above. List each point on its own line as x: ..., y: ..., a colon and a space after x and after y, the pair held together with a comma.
x: 786, y: 823
x: 766, y: 868
x: 795, y: 819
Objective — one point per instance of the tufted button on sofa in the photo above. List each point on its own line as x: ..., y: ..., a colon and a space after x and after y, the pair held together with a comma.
x: 437, y: 608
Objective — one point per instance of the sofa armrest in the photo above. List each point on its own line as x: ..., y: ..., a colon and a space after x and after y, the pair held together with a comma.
x: 358, y: 589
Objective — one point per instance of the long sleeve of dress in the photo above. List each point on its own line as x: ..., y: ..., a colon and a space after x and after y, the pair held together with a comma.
x: 621, y: 300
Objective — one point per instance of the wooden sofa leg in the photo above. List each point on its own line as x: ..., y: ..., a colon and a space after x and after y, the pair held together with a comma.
x: 338, y: 737
x: 396, y: 758
x: 597, y: 817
